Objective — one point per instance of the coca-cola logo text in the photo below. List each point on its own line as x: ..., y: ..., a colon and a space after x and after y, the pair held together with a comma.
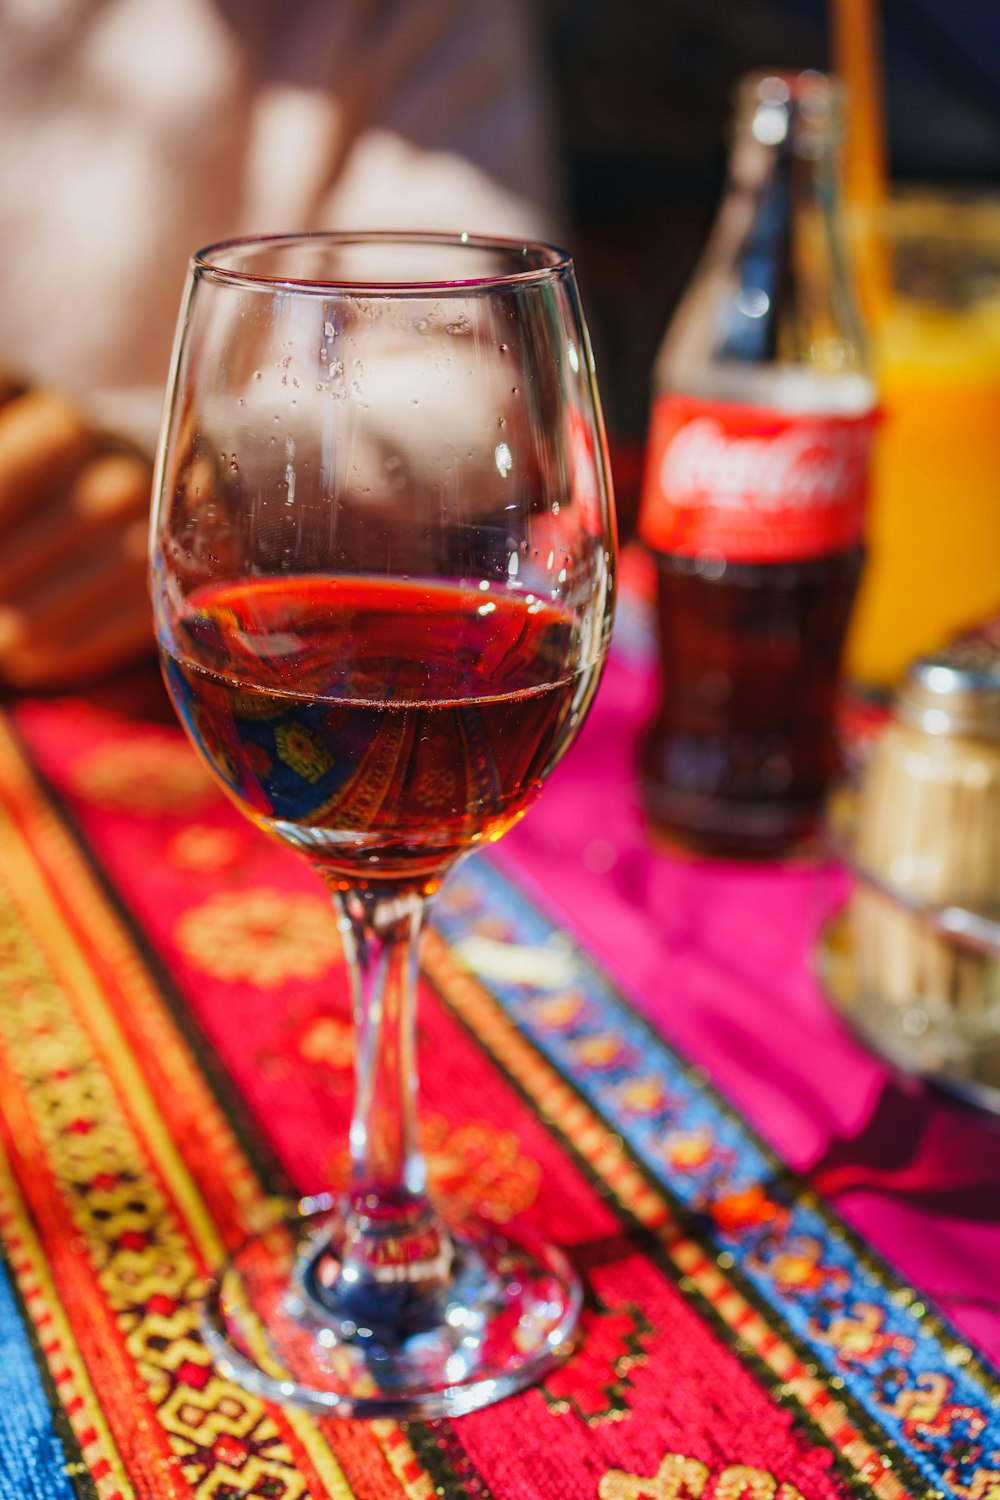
x: 806, y: 466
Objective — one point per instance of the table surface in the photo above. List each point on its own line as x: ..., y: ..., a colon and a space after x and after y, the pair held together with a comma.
x: 789, y: 1251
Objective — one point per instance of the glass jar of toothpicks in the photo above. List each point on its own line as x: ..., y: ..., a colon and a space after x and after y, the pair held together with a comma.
x: 914, y: 960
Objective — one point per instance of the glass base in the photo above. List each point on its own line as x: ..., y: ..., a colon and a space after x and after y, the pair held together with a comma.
x: 289, y: 1318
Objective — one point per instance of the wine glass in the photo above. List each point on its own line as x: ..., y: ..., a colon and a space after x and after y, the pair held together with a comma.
x: 382, y: 561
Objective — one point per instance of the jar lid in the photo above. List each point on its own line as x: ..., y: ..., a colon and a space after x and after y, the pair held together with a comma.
x: 955, y: 691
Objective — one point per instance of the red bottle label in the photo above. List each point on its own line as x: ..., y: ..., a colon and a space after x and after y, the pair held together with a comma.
x: 751, y: 484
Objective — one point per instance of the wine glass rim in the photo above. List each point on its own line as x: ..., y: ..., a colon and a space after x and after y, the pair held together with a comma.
x: 550, y: 262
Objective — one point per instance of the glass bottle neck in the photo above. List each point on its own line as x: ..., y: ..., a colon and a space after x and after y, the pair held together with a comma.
x: 772, y: 302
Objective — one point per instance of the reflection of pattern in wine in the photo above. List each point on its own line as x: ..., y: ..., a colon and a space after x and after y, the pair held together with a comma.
x: 373, y: 725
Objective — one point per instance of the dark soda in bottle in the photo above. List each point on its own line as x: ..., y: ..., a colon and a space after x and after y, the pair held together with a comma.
x: 754, y: 493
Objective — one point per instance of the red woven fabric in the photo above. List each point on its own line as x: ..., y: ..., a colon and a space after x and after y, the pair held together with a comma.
x: 175, y: 1048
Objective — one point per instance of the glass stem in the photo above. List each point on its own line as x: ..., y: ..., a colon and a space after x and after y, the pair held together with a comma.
x: 385, y: 1276
x: 380, y: 939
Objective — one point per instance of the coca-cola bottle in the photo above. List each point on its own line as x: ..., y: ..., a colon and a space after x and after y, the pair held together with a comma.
x: 754, y: 492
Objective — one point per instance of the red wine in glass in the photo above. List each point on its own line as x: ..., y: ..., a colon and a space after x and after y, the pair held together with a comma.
x: 385, y: 728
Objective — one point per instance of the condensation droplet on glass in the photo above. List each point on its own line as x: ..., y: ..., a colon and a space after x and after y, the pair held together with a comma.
x: 256, y: 374
x: 503, y: 348
x: 328, y: 330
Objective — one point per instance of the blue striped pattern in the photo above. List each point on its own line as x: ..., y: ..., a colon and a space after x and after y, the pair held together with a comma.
x: 32, y: 1462
x: 913, y: 1350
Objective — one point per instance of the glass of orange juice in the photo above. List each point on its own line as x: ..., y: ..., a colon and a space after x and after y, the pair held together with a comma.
x: 934, y: 535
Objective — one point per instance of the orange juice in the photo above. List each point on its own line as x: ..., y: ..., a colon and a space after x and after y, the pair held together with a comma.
x: 934, y: 533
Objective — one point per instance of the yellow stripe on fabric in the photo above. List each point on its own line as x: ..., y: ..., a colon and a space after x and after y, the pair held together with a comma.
x: 55, y: 1336
x: 403, y: 1461
x: 32, y: 893
x: 59, y: 948
x: 105, y: 930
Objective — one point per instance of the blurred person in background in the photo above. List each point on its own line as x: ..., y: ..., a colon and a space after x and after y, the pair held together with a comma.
x: 138, y: 130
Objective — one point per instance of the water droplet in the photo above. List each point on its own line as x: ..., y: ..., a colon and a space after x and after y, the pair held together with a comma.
x: 503, y: 348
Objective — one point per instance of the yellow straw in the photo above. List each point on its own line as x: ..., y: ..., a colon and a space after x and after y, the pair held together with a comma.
x: 857, y: 58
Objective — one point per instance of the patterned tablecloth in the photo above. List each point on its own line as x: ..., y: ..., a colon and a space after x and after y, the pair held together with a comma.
x: 791, y: 1256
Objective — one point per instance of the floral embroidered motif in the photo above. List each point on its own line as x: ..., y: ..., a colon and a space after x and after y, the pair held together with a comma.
x: 205, y: 850
x: 680, y: 1478
x: 302, y: 751
x: 151, y: 775
x: 266, y: 937
x: 473, y: 1168
x: 328, y: 1041
x: 257, y: 758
